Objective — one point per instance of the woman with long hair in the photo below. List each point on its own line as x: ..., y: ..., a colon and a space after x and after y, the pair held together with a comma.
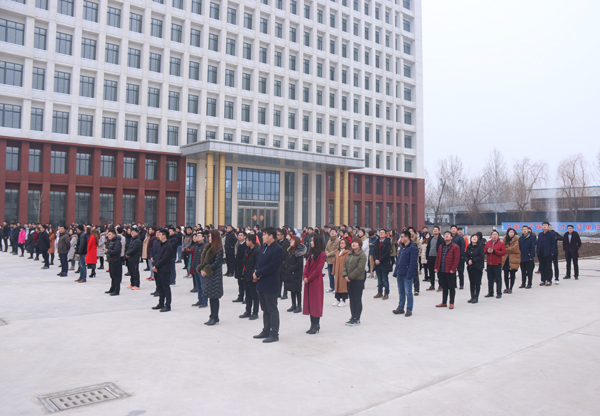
x: 511, y: 261
x: 52, y: 238
x: 211, y: 269
x: 475, y: 257
x: 313, y: 285
x: 355, y: 273
x: 91, y: 258
x: 341, y: 287
x: 293, y: 273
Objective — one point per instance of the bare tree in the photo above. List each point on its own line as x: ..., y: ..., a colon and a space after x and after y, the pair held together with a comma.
x: 435, y: 195
x: 526, y: 175
x: 36, y: 201
x: 452, y: 177
x: 597, y: 167
x: 495, y: 179
x: 475, y: 196
x: 572, y: 175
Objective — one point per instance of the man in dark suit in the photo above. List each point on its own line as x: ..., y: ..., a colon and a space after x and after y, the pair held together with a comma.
x: 240, y: 254
x: 230, y: 242
x: 571, y: 245
x: 266, y: 274
x: 382, y: 249
x: 115, y: 265
x: 163, y: 262
x: 459, y: 240
x: 44, y: 245
x: 285, y: 245
x: 546, y: 248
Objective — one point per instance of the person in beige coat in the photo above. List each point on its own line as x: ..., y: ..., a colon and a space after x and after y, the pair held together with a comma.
x: 511, y: 261
x: 341, y: 287
x: 333, y: 244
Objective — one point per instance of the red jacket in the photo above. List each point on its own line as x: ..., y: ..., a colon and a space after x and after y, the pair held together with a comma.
x: 314, y: 290
x: 92, y: 251
x: 495, y: 259
x: 452, y: 259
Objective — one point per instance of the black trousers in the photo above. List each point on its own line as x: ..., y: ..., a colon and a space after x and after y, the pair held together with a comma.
x: 230, y: 259
x: 461, y: 271
x: 163, y: 286
x: 214, y: 307
x: 494, y: 275
x: 241, y: 288
x: 116, y: 274
x: 431, y: 267
x: 575, y: 260
x: 45, y: 257
x: 555, y: 261
x: 64, y: 263
x: 268, y: 304
x: 251, y: 296
x: 296, y: 299
x: 134, y: 272
x: 509, y: 278
x: 355, y: 291
x: 101, y: 258
x: 448, y: 284
x: 527, y: 272
x: 546, y: 268
x: 475, y: 281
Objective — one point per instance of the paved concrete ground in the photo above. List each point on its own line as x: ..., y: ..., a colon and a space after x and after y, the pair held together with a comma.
x: 533, y: 352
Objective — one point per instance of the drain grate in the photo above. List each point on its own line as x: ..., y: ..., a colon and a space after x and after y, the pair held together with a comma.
x: 83, y: 396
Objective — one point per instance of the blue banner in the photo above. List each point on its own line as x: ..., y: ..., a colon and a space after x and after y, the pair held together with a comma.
x: 580, y: 227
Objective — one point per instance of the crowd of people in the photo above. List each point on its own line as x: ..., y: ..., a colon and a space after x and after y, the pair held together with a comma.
x: 271, y: 263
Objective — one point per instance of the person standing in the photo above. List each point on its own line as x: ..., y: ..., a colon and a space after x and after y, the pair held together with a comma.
x: 133, y: 255
x: 173, y: 239
x: 511, y: 260
x: 63, y: 248
x: 332, y: 247
x: 162, y: 270
x: 355, y: 272
x: 406, y: 272
x: 545, y: 252
x: 557, y: 238
x: 446, y: 264
x: 433, y: 245
x: 196, y: 250
x: 341, y: 286
x: 43, y: 243
x: 211, y: 269
x: 285, y: 245
x: 100, y: 251
x: 293, y: 273
x: 313, y: 285
x: 527, y: 248
x: 251, y: 255
x: 459, y: 240
x: 185, y: 247
x: 22, y: 239
x: 115, y: 265
x: 230, y: 242
x: 81, y: 251
x: 91, y: 258
x: 5, y: 235
x: 52, y: 248
x: 381, y: 254
x: 495, y: 250
x: 240, y: 255
x: 571, y: 246
x: 475, y: 262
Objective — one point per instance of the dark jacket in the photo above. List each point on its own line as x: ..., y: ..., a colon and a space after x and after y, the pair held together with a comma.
x: 476, y: 254
x: 163, y: 257
x: 251, y: 255
x: 407, y: 264
x: 440, y: 241
x: 267, y: 269
x: 212, y: 264
x: 546, y: 244
x: 196, y: 250
x: 135, y: 249
x: 285, y: 245
x: 113, y: 253
x: 527, y: 247
x: 239, y: 260
x: 174, y: 242
x: 452, y: 259
x: 572, y: 248
x: 29, y: 243
x: 81, y: 247
x: 383, y: 255
x: 230, y: 242
x: 155, y: 246
x: 64, y: 243
x: 459, y: 240
x: 43, y: 241
x: 293, y: 269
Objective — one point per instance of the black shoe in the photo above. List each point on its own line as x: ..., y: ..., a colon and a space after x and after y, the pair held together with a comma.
x: 146, y: 270
x: 245, y: 315
x: 101, y: 268
x: 203, y: 305
x: 298, y: 309
x: 470, y: 300
x: 108, y: 292
x: 127, y: 274
x: 156, y: 295
x: 283, y: 298
x: 237, y: 300
x: 211, y: 322
x: 153, y: 293
x: 474, y: 300
x: 576, y: 277
x: 115, y: 294
x: 528, y: 287
x: 314, y: 329
x: 262, y: 335
x: 489, y: 295
x: 271, y: 338
x: 194, y: 290
x: 522, y: 286
x: 62, y: 274
x: 197, y: 304
x: 45, y: 267
x: 498, y: 296
x: 567, y: 277
x: 51, y: 263
x: 157, y: 307
x: 165, y: 309
x: 461, y: 288
x: 292, y: 309
x: 254, y: 317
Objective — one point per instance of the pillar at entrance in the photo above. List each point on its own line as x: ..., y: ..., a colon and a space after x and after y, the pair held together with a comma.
x: 221, y: 206
x: 210, y: 187
x: 346, y: 198
x: 336, y: 202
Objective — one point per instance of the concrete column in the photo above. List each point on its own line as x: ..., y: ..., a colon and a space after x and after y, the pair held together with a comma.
x: 200, y: 192
x: 221, y: 205
x: 210, y: 188
x: 337, y: 197
x: 345, y: 198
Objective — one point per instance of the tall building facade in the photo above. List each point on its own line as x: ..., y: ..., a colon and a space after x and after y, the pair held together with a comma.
x: 270, y: 112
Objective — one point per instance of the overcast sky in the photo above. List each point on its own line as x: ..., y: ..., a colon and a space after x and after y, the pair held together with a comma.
x: 522, y: 76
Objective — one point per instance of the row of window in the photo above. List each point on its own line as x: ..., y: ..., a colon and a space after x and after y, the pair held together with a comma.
x: 83, y: 166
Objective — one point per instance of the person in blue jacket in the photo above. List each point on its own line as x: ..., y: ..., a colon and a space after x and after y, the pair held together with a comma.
x: 406, y: 272
x: 527, y: 247
x: 266, y: 274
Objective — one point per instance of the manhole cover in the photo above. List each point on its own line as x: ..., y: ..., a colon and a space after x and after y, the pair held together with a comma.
x: 83, y: 396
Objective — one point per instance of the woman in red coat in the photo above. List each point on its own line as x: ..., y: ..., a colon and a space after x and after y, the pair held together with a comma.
x: 91, y: 258
x: 313, y: 284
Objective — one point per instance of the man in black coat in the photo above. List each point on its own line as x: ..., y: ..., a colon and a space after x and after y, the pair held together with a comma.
x: 63, y: 247
x: 163, y: 263
x: 5, y: 231
x: 571, y: 245
x: 239, y: 256
x: 382, y: 249
x: 43, y: 245
x: 459, y: 240
x: 133, y: 255
x: 251, y: 255
x: 173, y: 240
x: 557, y: 238
x: 115, y: 265
x: 81, y: 250
x: 285, y: 245
x: 433, y: 244
x: 230, y: 241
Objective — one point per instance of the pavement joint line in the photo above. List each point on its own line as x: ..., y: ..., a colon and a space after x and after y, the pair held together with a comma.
x: 479, y: 367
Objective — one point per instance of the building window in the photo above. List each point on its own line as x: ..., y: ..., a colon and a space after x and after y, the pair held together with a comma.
x: 229, y: 78
x: 107, y: 205
x: 107, y: 166
x: 85, y: 125
x: 12, y: 32
x: 112, y: 54
x: 213, y: 42
x: 11, y: 74
x: 197, y: 6
x: 83, y: 165
x: 408, y: 117
x: 408, y: 142
x: 37, y: 119
x: 113, y: 17
x: 109, y: 128
x: 135, y: 22
x: 58, y: 203
x: 110, y: 90
x: 39, y: 38
x: 64, y: 43
x: 153, y: 97
x: 155, y: 62
x: 129, y: 168
x: 150, y: 208
x: 248, y: 21
x: 262, y: 85
x: 230, y: 47
x: 190, y: 194
x: 129, y: 208
x: 228, y: 110
x: 172, y: 135
x: 211, y: 107
x: 62, y: 82
x: 194, y: 70
x: 171, y: 171
x: 65, y: 7
x: 407, y: 165
x: 12, y: 158
x: 131, y: 130
x: 212, y: 74
x: 11, y: 205
x: 262, y: 55
x: 156, y: 28
x: 58, y: 162
x: 193, y: 104
x: 152, y: 169
x: 258, y: 184
x: 90, y: 11
x: 247, y: 51
x: 133, y: 94
x: 175, y: 67
x: 171, y: 210
x: 173, y: 101
x: 195, y: 38
x: 60, y: 122
x: 192, y: 136
x: 134, y: 58
x: 245, y: 139
x: 152, y: 133
x: 214, y: 11
x: 39, y: 79
x: 245, y: 112
x: 262, y: 115
x: 82, y: 207
x: 176, y: 32
x: 88, y: 49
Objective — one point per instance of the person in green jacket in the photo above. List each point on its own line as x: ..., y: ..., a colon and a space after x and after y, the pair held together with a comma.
x: 354, y: 273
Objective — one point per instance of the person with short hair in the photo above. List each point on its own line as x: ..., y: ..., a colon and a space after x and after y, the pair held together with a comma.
x: 433, y: 244
x: 240, y: 254
x: 251, y: 253
x: 115, y: 265
x: 133, y: 255
x: 406, y: 272
x: 383, y: 266
x: 355, y: 273
x: 285, y: 245
x: 475, y: 263
x: 230, y: 242
x: 459, y: 240
x: 211, y: 269
x: 446, y: 264
x: 162, y: 270
x: 293, y: 273
x: 545, y: 251
x: 63, y: 247
x: 527, y: 247
x: 571, y: 246
x: 495, y: 250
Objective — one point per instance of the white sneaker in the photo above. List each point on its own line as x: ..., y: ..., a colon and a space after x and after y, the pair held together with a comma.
x: 342, y: 303
x: 336, y: 303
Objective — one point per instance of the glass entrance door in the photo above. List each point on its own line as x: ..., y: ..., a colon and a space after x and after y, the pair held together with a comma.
x: 264, y: 217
